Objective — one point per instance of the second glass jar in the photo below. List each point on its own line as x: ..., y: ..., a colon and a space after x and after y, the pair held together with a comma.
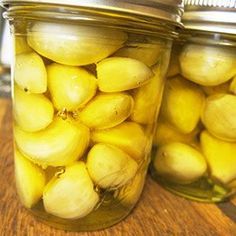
x: 195, y: 141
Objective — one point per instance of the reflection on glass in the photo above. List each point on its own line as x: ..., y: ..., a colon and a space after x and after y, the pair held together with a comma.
x: 5, y: 58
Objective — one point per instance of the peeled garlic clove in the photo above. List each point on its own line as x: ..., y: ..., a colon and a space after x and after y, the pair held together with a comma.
x: 180, y: 97
x: 218, y: 116
x: 207, y: 65
x: 117, y: 74
x: 30, y: 73
x: 166, y: 133
x: 71, y: 195
x: 30, y: 180
x: 61, y: 143
x: 74, y: 44
x: 32, y: 112
x: 221, y: 88
x: 21, y: 45
x: 70, y: 87
x: 149, y: 54
x: 107, y: 110
x: 109, y: 166
x: 130, y: 193
x: 128, y: 136
x: 232, y: 87
x: 147, y: 98
x: 180, y: 163
x: 220, y: 156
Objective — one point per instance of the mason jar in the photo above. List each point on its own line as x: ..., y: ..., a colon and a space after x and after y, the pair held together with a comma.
x: 87, y: 80
x: 195, y: 141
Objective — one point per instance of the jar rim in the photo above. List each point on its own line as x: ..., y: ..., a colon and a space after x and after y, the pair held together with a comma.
x: 168, y: 10
x: 86, y: 16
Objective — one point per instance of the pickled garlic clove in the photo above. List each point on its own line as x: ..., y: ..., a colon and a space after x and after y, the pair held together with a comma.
x: 30, y: 73
x: 21, y: 45
x: 207, y: 65
x: 128, y: 136
x: 32, y: 112
x: 218, y: 116
x: 130, y: 193
x: 117, y: 74
x: 149, y: 54
x: 220, y: 156
x: 148, y: 98
x: 107, y: 110
x: 180, y: 163
x: 180, y: 97
x: 74, y: 44
x: 61, y: 143
x: 166, y: 133
x: 71, y: 195
x: 109, y: 166
x: 30, y: 180
x: 70, y: 87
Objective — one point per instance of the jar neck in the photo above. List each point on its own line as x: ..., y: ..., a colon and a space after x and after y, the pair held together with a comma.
x: 131, y: 23
x: 207, y: 38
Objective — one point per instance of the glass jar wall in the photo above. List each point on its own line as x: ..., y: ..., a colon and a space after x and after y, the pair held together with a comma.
x: 195, y: 141
x: 81, y: 93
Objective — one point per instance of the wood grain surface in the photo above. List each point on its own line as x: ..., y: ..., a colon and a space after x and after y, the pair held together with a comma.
x: 158, y: 212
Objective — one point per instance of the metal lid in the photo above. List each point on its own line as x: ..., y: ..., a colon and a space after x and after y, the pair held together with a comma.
x: 169, y: 10
x: 210, y: 15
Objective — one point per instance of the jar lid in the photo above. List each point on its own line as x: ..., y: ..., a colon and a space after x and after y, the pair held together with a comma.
x: 169, y: 10
x: 210, y: 15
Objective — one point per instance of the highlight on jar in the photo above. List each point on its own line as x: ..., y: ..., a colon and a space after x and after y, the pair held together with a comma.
x: 82, y: 131
x: 194, y: 151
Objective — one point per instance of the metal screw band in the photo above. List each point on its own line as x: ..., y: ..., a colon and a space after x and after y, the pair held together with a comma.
x: 211, y: 3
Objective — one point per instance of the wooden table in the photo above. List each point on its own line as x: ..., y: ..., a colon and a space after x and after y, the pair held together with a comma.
x: 158, y: 213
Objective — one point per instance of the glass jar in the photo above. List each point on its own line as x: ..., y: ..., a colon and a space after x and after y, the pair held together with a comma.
x: 195, y: 142
x: 85, y: 75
